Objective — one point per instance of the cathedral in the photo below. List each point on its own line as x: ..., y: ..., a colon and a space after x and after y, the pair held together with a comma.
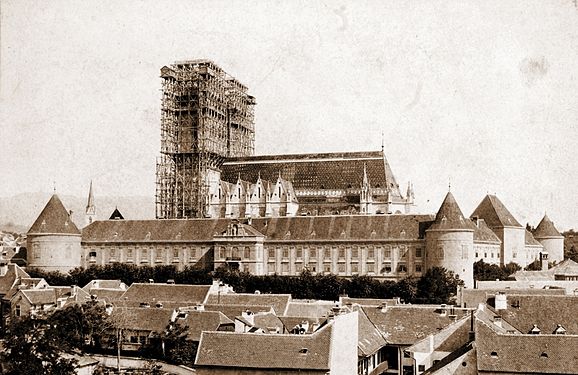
x: 218, y: 205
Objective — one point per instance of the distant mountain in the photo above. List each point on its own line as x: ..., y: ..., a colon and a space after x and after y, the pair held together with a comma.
x: 18, y: 213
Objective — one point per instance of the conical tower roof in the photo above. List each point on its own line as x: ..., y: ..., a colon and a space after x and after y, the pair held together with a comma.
x: 546, y: 228
x: 54, y: 218
x: 496, y: 215
x: 450, y: 216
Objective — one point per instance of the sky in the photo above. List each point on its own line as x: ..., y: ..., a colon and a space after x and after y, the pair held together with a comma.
x: 482, y: 95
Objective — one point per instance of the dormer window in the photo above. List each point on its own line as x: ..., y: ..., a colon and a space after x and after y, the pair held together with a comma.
x: 560, y: 330
x: 303, y: 351
x: 494, y: 354
x: 544, y: 355
x: 535, y: 330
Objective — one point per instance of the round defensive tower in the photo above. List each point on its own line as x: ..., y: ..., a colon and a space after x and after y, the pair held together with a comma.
x: 54, y: 240
x: 450, y: 241
x: 553, y: 242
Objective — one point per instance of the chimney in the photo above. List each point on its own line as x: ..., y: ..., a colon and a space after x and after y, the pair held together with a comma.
x: 498, y: 320
x: 544, y: 260
x: 501, y: 301
x: 249, y: 316
x: 383, y: 307
x: 72, y: 290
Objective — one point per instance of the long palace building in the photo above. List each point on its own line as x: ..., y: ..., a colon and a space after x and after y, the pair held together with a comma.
x: 217, y: 204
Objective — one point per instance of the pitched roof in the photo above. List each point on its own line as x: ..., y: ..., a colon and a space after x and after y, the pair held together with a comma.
x: 105, y: 284
x: 279, y: 302
x: 567, y: 268
x: 546, y: 311
x: 40, y: 296
x: 107, y: 295
x: 301, y: 228
x: 370, y: 339
x: 530, y: 240
x: 315, y: 171
x: 161, y: 293
x: 232, y: 311
x: 525, y: 354
x: 306, y: 309
x: 7, y: 281
x: 448, y: 339
x: 199, y: 321
x: 273, y: 351
x: 116, y: 215
x: 290, y: 322
x: 142, y: 319
x: 483, y: 233
x: 54, y: 218
x: 449, y: 216
x: 405, y: 325
x: 493, y: 211
x: 546, y: 229
x: 366, y: 302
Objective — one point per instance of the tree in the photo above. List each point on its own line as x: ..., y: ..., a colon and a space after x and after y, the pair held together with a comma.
x: 437, y: 286
x: 80, y: 326
x: 33, y: 347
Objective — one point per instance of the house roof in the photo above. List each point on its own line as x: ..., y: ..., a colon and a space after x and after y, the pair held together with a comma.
x: 483, y: 233
x: 7, y: 281
x: 107, y: 295
x: 546, y: 311
x: 496, y: 215
x: 303, y: 309
x: 290, y: 322
x: 530, y: 240
x: 298, y: 228
x: 40, y: 296
x: 546, y: 229
x: 450, y: 216
x: 315, y: 171
x: 525, y: 354
x: 405, y: 325
x: 273, y: 351
x: 370, y: 339
x: 449, y: 339
x: 105, y: 284
x: 142, y: 319
x: 199, y: 321
x: 369, y: 301
x: 567, y: 268
x: 232, y: 311
x: 279, y: 302
x: 268, y: 322
x: 161, y: 293
x: 54, y: 218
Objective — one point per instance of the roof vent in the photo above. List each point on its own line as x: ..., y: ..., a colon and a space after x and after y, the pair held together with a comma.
x: 494, y: 354
x: 535, y: 330
x: 559, y: 330
x: 145, y: 305
x: 170, y: 281
x: 303, y: 350
x: 544, y: 355
x: 159, y: 305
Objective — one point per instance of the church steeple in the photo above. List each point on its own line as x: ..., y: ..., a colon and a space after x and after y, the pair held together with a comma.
x: 90, y: 213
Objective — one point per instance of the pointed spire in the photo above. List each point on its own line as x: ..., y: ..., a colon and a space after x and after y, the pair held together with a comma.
x: 546, y: 229
x: 54, y: 218
x: 365, y: 178
x: 90, y: 202
x: 382, y: 142
x: 450, y: 216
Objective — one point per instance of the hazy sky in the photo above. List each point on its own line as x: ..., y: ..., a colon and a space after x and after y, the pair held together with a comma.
x: 484, y: 93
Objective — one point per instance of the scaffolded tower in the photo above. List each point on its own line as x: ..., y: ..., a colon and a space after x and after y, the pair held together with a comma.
x: 206, y: 116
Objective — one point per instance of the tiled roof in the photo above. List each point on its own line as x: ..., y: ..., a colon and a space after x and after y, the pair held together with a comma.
x: 7, y: 281
x: 290, y: 322
x: 546, y: 311
x: 449, y: 339
x: 279, y: 302
x: 473, y: 297
x: 546, y: 229
x: 449, y: 216
x: 346, y: 227
x: 183, y: 294
x: 233, y: 310
x: 315, y: 309
x: 483, y: 233
x: 525, y: 354
x: 105, y: 284
x: 567, y: 268
x: 199, y: 321
x: 142, y: 319
x: 54, y: 218
x: 370, y: 339
x: 40, y: 296
x: 496, y: 215
x: 315, y: 171
x: 530, y: 240
x: 107, y: 295
x: 268, y: 322
x: 273, y: 351
x: 405, y: 325
x: 369, y: 301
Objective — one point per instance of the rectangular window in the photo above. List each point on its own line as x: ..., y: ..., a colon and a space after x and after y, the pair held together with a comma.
x: 387, y: 268
x: 271, y: 253
x: 134, y: 340
x: 387, y: 252
x: 175, y: 254
x: 354, y: 253
x: 112, y: 253
x: 18, y: 310
x: 285, y: 253
x: 354, y: 268
x: 418, y: 268
x: 370, y: 253
x: 247, y: 254
x: 92, y: 254
x: 145, y: 254
x: 313, y: 253
x: 341, y: 253
x: 421, y: 368
x: 299, y: 253
x: 401, y: 268
x: 142, y: 339
x: 327, y: 268
x: 285, y: 267
x: 514, y: 254
x: 341, y: 267
x: 159, y: 254
x: 477, y: 255
x: 129, y: 253
x: 418, y: 252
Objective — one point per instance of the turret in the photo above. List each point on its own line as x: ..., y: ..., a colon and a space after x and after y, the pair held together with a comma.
x: 365, y: 198
x: 553, y: 242
x: 450, y: 241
